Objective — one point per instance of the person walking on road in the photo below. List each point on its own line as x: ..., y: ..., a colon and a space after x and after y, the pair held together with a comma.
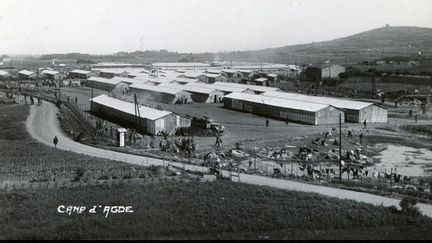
x: 55, y: 141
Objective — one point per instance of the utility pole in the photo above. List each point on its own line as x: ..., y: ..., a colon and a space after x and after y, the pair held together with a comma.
x: 137, y: 113
x: 340, y: 147
x: 91, y: 103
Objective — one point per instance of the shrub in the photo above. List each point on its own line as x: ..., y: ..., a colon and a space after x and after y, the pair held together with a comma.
x: 393, y: 209
x: 408, y: 206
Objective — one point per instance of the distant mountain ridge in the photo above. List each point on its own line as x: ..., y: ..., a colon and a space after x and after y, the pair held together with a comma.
x: 373, y: 44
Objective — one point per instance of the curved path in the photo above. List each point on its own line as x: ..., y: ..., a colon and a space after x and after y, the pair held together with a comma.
x: 43, y: 125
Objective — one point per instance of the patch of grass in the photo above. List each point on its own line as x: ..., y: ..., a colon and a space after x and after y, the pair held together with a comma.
x: 12, y: 118
x: 418, y: 129
x: 168, y: 210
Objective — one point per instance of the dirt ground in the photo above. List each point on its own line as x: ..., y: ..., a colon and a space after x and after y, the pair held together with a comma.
x: 255, y: 137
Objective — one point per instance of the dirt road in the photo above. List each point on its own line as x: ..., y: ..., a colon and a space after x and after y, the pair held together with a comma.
x: 43, y: 125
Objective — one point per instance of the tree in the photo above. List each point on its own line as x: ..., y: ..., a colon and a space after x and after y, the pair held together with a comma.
x: 408, y: 206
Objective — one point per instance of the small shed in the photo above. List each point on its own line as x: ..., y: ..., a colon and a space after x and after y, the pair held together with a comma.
x: 151, y: 121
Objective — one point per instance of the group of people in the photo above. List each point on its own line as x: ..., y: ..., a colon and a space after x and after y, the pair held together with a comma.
x: 187, y: 145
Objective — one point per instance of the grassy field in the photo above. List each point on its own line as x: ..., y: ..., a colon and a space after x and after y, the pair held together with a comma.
x: 216, y: 210
x: 418, y: 129
x: 176, y: 210
x: 24, y: 160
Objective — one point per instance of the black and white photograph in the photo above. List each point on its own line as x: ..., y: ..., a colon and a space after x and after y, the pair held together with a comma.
x: 215, y: 120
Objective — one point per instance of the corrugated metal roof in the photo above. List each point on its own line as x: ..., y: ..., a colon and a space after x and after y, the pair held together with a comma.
x: 193, y: 88
x: 111, y: 71
x: 246, y: 86
x: 186, y: 80
x: 278, y: 102
x: 192, y: 74
x: 180, y: 64
x: 26, y: 72
x: 3, y: 73
x: 104, y: 80
x: 261, y: 79
x: 80, y: 71
x: 156, y: 88
x: 211, y: 75
x: 126, y: 80
x: 258, y: 66
x: 51, y: 72
x: 220, y: 87
x: 128, y: 107
x: 339, y: 103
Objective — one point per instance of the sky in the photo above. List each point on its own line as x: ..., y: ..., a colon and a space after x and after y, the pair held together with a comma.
x: 110, y: 26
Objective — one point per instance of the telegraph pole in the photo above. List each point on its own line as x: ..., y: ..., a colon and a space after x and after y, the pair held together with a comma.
x: 91, y: 103
x: 340, y: 147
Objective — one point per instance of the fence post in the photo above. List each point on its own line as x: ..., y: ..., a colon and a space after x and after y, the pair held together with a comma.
x: 238, y: 173
x: 292, y: 172
x: 391, y: 181
x: 379, y: 179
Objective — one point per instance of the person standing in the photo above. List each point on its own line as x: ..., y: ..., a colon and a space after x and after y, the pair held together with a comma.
x: 286, y: 121
x: 55, y: 141
x: 415, y: 118
x: 267, y: 122
x: 361, y: 137
x: 218, y: 141
x: 364, y: 124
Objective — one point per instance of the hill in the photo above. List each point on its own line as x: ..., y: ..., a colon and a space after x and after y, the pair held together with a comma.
x: 381, y: 42
x: 373, y: 44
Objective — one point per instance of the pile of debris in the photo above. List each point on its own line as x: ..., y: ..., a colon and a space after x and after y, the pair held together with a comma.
x: 275, y: 153
x: 353, y: 156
